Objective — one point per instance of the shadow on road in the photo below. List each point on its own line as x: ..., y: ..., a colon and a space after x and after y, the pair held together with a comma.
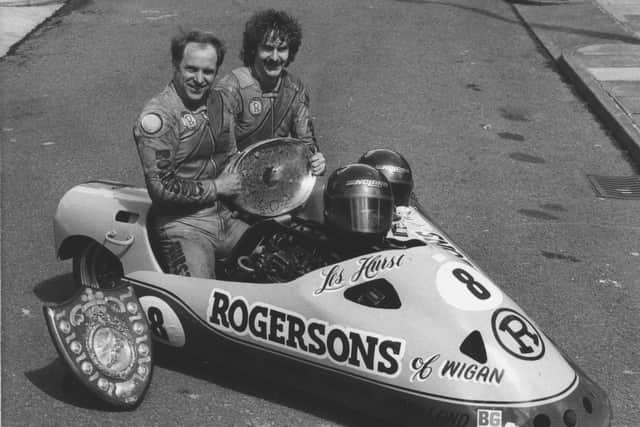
x: 266, y: 379
x: 55, y: 290
x: 56, y: 380
x: 278, y: 382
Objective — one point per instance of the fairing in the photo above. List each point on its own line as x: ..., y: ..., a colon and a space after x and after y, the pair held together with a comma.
x: 446, y: 358
x: 110, y: 213
x: 416, y: 346
x: 424, y: 324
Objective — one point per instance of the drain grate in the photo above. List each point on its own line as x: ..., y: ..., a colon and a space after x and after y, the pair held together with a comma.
x: 616, y: 187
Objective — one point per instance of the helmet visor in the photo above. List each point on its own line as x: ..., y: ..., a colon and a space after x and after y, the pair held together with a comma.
x: 362, y: 214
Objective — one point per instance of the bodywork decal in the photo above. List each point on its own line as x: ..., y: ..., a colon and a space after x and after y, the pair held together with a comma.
x: 218, y: 332
x: 164, y: 323
x: 451, y: 369
x: 472, y: 372
x: 489, y: 418
x: 369, y: 266
x: 361, y: 350
x: 517, y: 335
x: 465, y: 288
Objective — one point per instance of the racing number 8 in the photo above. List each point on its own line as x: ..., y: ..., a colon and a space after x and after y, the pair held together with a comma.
x: 473, y: 285
x: 155, y: 323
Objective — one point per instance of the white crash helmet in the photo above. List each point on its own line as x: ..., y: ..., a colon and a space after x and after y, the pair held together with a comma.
x: 358, y: 199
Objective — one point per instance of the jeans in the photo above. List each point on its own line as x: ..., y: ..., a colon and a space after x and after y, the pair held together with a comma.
x: 189, y: 244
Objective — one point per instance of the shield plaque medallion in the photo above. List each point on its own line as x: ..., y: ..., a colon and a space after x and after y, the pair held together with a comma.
x: 103, y: 336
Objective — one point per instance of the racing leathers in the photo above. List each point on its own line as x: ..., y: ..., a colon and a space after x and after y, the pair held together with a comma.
x: 263, y: 115
x: 182, y: 151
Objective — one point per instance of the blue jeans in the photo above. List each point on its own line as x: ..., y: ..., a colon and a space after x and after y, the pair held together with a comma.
x: 188, y: 245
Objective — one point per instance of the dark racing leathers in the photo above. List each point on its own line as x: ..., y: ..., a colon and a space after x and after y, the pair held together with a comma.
x: 262, y: 115
x: 182, y: 152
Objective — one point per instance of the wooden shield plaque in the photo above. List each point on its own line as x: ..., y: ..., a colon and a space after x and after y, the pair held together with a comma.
x: 102, y: 334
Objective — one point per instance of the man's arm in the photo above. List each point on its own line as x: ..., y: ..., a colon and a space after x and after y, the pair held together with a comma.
x: 222, y: 122
x: 303, y: 129
x: 302, y: 126
x: 157, y: 141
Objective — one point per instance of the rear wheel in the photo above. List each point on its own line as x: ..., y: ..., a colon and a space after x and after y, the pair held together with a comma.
x: 94, y: 266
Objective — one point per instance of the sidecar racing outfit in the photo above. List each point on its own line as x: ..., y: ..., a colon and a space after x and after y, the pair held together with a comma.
x: 182, y: 152
x: 263, y: 115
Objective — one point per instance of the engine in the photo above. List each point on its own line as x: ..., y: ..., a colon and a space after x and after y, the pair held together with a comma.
x: 272, y: 252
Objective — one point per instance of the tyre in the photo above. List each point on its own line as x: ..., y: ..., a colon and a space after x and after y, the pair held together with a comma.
x: 94, y: 266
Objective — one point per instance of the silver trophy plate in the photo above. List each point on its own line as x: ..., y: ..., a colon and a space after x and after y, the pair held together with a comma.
x: 276, y: 176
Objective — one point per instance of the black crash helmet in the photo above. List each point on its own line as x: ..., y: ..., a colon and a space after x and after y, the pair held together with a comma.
x: 358, y: 199
x: 395, y: 168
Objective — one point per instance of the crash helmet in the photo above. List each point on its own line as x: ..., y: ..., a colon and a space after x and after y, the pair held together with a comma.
x: 358, y: 199
x: 395, y: 168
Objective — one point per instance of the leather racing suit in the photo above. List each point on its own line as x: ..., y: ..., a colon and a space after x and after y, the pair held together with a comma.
x: 182, y: 152
x: 263, y: 115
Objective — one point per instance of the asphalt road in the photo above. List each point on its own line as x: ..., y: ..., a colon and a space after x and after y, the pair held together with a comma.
x: 499, y: 143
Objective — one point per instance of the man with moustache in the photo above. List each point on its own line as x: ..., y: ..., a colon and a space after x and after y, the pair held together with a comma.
x: 184, y: 135
x: 266, y: 100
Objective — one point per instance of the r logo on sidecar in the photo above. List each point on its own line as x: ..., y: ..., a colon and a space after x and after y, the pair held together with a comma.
x: 517, y: 335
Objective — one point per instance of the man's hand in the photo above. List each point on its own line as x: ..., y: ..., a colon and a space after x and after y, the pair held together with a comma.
x: 228, y: 183
x: 318, y: 164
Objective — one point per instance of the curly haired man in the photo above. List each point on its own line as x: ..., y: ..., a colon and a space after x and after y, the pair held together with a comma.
x: 266, y: 100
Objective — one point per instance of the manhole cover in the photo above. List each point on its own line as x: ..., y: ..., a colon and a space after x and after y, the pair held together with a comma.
x: 616, y: 187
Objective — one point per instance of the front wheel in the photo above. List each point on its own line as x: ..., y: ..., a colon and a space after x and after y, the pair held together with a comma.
x: 94, y: 266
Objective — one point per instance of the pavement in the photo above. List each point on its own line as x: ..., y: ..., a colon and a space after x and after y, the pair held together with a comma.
x: 595, y: 43
x: 19, y: 18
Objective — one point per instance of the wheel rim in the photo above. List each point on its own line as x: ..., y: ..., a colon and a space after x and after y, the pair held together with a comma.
x: 99, y: 268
